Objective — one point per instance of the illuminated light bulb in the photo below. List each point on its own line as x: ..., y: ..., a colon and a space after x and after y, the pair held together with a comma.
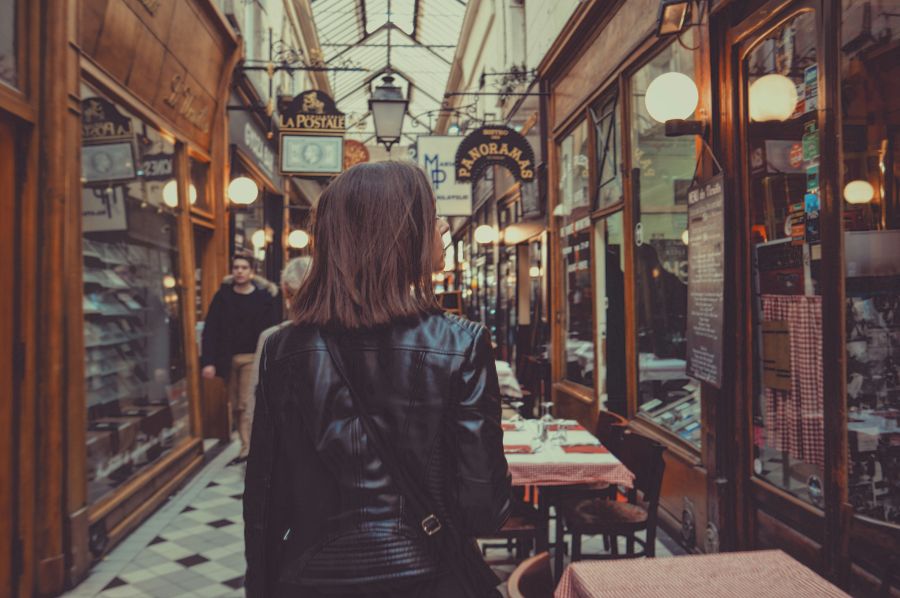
x: 258, y: 239
x: 859, y: 191
x: 686, y: 237
x: 486, y: 234
x: 671, y: 96
x: 243, y: 191
x: 169, y: 281
x: 535, y: 272
x: 170, y: 194
x: 772, y: 98
x: 298, y: 239
x: 192, y: 194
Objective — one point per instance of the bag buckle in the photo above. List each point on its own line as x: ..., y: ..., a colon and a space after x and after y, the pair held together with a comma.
x: 431, y: 525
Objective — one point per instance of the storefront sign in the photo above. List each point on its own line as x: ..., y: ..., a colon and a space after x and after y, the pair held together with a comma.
x: 188, y: 103
x: 249, y: 136
x: 107, y: 151
x: 157, y: 167
x: 706, y: 280
x: 355, y: 153
x: 312, y: 130
x: 437, y: 157
x: 494, y: 145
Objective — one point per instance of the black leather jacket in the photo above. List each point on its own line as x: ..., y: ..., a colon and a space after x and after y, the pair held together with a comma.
x: 320, y: 508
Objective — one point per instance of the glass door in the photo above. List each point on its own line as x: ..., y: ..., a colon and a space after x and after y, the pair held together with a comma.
x: 610, y: 280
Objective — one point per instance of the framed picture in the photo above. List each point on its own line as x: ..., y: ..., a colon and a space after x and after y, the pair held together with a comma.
x: 106, y: 162
x: 315, y: 155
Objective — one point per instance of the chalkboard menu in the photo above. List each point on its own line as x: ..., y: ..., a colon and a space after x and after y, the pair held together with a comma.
x: 706, y: 275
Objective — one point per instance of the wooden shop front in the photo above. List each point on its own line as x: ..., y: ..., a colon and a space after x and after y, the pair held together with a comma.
x: 120, y: 152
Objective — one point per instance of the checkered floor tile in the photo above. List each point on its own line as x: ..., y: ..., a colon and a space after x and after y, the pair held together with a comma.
x: 194, y: 545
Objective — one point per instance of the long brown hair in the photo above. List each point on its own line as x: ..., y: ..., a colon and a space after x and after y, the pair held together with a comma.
x: 373, y: 235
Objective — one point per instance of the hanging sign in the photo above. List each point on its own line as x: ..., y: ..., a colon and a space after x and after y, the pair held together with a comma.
x: 437, y: 157
x: 312, y: 135
x: 494, y: 145
x: 706, y: 280
x: 107, y: 150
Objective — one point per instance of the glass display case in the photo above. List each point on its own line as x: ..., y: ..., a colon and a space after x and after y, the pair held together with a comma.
x: 137, y: 397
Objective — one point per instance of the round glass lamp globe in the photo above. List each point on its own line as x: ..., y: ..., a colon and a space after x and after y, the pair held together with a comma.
x: 243, y: 191
x: 772, y: 98
x: 170, y: 194
x: 258, y: 239
x: 671, y: 96
x: 859, y: 191
x: 686, y: 237
x: 298, y: 239
x: 486, y: 234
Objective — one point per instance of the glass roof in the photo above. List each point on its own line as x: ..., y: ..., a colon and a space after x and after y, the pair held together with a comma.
x: 423, y: 37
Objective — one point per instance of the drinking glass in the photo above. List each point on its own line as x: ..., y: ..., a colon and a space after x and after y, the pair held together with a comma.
x: 517, y: 420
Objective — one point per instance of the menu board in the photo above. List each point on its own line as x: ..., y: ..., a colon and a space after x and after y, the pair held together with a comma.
x: 706, y: 277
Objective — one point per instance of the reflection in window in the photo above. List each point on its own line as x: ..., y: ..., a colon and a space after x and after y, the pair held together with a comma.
x: 781, y: 83
x: 199, y: 194
x: 604, y: 116
x: 9, y: 55
x: 610, y: 239
x: 662, y: 170
x: 575, y: 239
x: 136, y: 389
x: 871, y: 172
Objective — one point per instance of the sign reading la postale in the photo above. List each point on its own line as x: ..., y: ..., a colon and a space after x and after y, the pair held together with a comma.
x: 313, y: 112
x: 494, y: 144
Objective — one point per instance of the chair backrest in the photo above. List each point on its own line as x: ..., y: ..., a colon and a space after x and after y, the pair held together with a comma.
x: 609, y: 429
x: 644, y: 457
x: 533, y: 578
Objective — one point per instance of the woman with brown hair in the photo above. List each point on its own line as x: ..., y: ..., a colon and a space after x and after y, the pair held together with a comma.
x: 376, y: 452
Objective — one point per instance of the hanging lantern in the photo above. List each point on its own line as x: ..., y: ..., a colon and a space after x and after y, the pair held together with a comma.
x: 388, y: 107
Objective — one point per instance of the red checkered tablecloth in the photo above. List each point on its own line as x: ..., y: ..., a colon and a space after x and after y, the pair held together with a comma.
x: 553, y: 466
x: 794, y: 419
x: 759, y: 574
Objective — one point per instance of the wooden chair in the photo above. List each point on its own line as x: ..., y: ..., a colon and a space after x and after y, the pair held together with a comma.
x: 532, y: 578
x: 610, y: 517
x: 883, y: 540
x: 519, y: 532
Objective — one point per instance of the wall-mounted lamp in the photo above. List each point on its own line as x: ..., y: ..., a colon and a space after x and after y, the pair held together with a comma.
x: 673, y: 16
x: 170, y: 194
x: 859, y: 191
x: 535, y: 272
x: 298, y: 239
x: 486, y: 234
x: 243, y: 191
x: 258, y: 239
x: 672, y: 99
x: 772, y: 98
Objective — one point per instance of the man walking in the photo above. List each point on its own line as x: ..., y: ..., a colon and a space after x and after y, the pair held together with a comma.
x: 241, y: 309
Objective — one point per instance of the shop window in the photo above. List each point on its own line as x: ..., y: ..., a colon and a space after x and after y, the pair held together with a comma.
x: 870, y: 62
x: 662, y: 170
x: 604, y: 115
x: 575, y: 240
x: 199, y: 191
x: 9, y: 55
x: 780, y: 84
x: 610, y: 259
x: 137, y: 398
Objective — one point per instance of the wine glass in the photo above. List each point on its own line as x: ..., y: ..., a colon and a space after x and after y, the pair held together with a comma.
x: 517, y: 420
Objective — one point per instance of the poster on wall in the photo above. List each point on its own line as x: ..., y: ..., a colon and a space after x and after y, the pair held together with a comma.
x: 312, y: 135
x: 437, y: 157
x: 706, y: 280
x: 103, y: 209
x: 311, y: 154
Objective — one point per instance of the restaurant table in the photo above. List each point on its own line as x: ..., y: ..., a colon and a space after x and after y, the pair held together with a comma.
x: 579, y: 461
x: 764, y: 573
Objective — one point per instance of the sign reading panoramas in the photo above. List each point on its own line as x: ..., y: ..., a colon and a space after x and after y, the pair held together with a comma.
x: 494, y: 145
x: 312, y: 135
x: 437, y: 157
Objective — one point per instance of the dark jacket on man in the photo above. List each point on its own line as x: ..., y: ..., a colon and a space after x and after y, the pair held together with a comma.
x: 320, y: 508
x: 234, y: 320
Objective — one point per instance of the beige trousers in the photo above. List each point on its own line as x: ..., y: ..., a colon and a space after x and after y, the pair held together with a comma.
x: 241, y: 395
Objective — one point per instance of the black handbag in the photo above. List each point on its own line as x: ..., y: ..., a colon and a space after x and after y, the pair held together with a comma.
x: 460, y: 553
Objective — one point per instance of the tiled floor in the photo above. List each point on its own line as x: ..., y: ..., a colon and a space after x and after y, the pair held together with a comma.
x: 193, y: 546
